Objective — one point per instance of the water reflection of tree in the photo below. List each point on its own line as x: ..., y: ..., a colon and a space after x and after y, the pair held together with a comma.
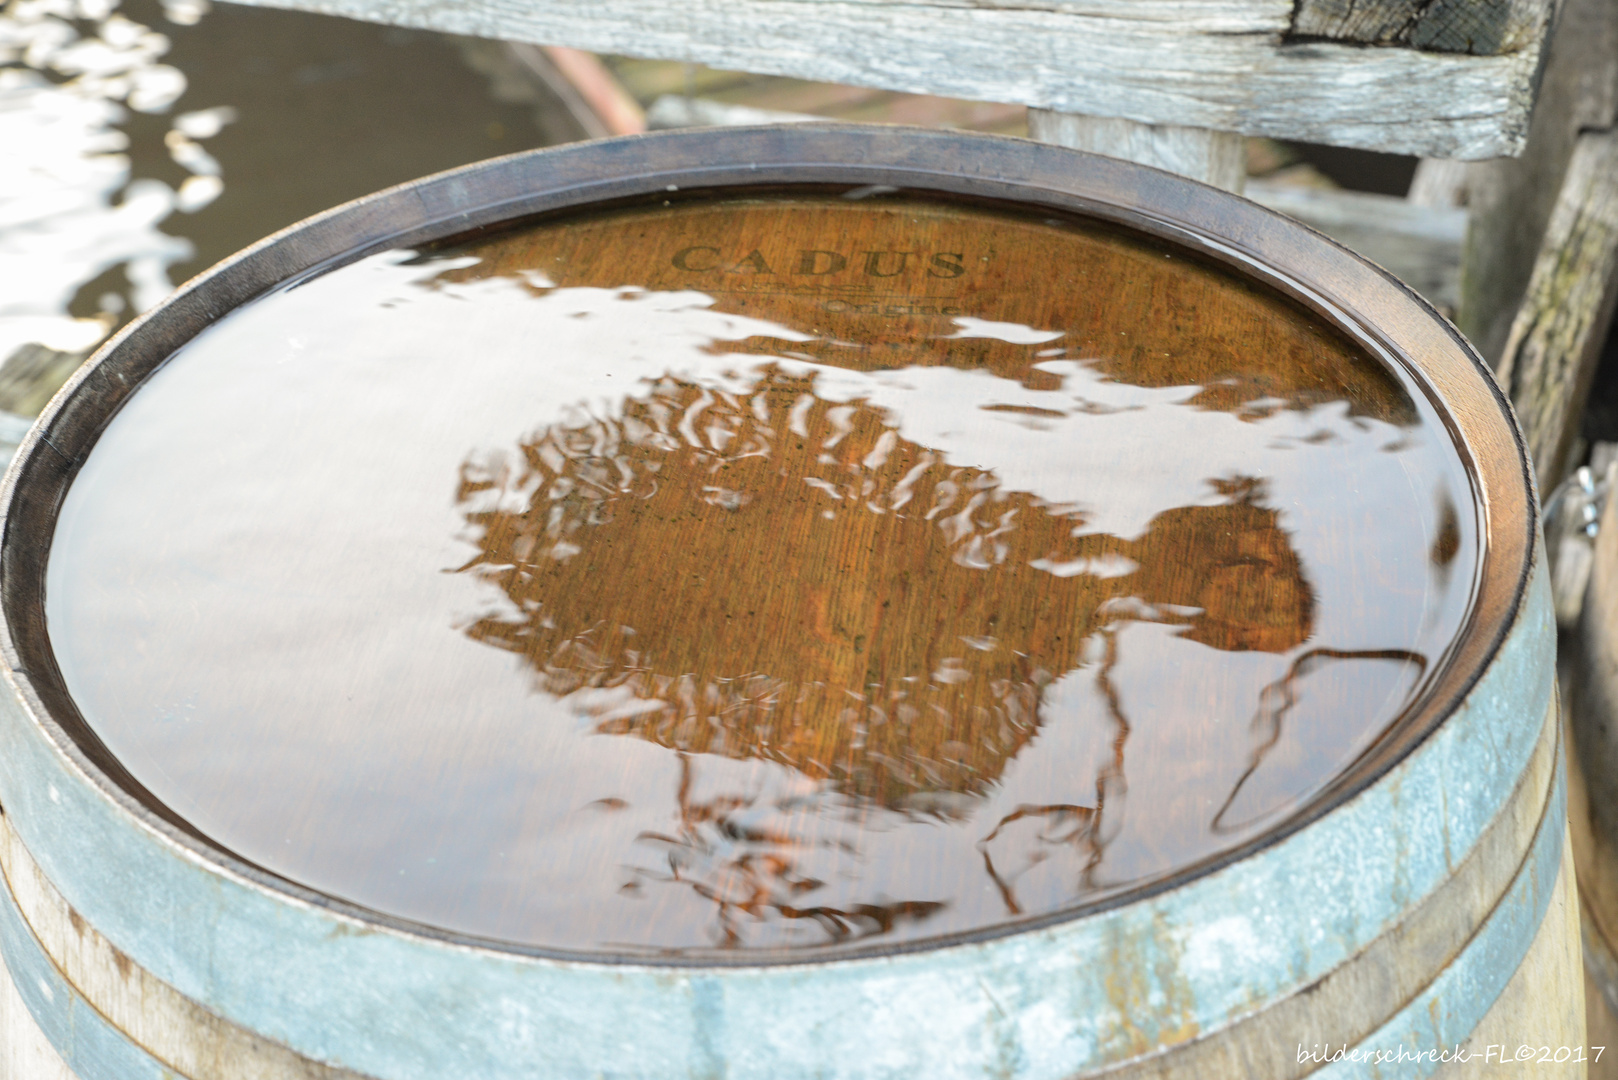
x: 771, y: 575
x: 1066, y: 825
x: 1278, y: 699
x: 750, y: 870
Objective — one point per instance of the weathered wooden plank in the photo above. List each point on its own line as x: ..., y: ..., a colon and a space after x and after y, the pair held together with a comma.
x: 1558, y: 333
x: 678, y: 111
x: 1439, y: 183
x: 1511, y: 200
x: 1214, y: 157
x: 1224, y: 65
x: 1375, y: 22
x: 1479, y: 27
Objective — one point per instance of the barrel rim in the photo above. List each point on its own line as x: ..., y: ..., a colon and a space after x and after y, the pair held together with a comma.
x: 1357, y: 298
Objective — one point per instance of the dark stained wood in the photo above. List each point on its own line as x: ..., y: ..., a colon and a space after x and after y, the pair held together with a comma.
x: 1231, y: 563
x: 1477, y: 27
x: 889, y: 293
x: 1230, y: 560
x: 1377, y: 22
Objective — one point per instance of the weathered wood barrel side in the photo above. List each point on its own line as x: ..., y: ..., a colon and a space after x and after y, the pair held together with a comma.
x: 1419, y: 904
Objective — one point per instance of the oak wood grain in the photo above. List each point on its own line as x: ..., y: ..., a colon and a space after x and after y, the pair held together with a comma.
x: 1107, y: 532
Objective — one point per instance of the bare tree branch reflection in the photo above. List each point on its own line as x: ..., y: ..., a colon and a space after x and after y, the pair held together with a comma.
x: 1277, y: 699
x: 1068, y: 824
x: 1110, y: 784
x: 1065, y: 823
x: 746, y: 870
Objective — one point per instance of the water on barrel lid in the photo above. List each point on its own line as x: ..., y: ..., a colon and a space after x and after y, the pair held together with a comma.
x: 757, y: 574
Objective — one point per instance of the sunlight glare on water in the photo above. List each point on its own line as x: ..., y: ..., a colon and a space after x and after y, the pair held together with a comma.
x: 140, y: 143
x: 69, y: 208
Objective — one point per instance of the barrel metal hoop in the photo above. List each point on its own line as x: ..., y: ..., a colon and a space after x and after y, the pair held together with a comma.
x: 87, y: 1044
x: 1371, y: 990
x: 1445, y: 1014
x: 92, y: 982
x: 1457, y: 932
x: 184, y: 915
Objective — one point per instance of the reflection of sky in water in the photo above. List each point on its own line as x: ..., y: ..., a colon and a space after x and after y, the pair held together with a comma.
x: 314, y: 703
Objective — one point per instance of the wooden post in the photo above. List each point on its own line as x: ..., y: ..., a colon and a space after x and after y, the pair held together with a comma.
x: 1550, y: 355
x: 1511, y: 199
x: 1214, y: 157
x: 1442, y: 90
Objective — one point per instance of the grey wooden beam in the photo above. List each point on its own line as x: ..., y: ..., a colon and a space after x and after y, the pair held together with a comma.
x: 1221, y: 65
x: 1557, y: 335
x: 1478, y: 27
x: 1510, y: 201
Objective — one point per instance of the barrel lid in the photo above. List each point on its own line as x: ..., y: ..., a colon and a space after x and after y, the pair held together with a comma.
x: 760, y: 569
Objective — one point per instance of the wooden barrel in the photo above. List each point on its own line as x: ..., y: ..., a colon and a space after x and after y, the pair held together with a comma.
x: 822, y: 601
